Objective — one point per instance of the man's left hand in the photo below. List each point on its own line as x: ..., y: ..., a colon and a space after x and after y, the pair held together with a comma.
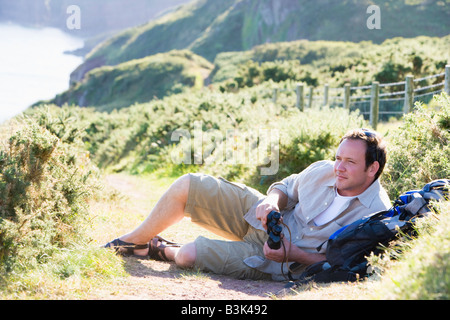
x: 278, y: 255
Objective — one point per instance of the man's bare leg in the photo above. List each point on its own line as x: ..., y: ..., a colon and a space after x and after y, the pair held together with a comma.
x: 167, y: 211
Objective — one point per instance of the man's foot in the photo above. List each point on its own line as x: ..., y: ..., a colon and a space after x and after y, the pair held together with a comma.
x: 157, y: 246
x: 155, y: 249
x: 125, y: 248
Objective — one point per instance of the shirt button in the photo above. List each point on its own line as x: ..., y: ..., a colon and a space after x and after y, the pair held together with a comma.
x: 326, y: 203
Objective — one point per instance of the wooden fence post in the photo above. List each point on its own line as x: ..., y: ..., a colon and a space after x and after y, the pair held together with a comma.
x: 447, y: 79
x: 409, y: 94
x: 347, y: 96
x: 325, y: 95
x: 274, y: 96
x: 310, y: 100
x: 374, y: 104
x: 300, y: 100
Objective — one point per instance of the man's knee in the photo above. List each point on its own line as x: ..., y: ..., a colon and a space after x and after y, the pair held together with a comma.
x: 186, y: 256
x: 180, y: 188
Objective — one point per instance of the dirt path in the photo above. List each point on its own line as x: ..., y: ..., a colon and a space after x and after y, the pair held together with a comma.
x: 150, y: 279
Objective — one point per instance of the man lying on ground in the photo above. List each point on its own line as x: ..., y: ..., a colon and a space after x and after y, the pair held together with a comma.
x: 314, y: 204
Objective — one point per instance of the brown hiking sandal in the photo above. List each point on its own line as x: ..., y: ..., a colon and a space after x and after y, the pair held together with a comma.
x: 129, y: 247
x: 156, y: 251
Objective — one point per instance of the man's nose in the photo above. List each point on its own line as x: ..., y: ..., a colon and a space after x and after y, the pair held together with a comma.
x: 340, y: 166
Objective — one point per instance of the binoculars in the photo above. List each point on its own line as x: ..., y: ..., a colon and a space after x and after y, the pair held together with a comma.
x: 274, y: 230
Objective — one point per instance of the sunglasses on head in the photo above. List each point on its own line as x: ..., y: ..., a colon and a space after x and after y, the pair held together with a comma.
x: 368, y: 133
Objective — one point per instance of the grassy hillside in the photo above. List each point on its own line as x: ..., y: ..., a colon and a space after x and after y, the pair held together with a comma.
x: 140, y: 63
x: 335, y: 62
x: 140, y: 138
x: 242, y: 24
x: 176, y: 30
x: 139, y: 80
x: 314, y: 63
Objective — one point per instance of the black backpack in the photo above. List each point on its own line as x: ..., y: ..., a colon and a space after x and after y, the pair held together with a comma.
x: 348, y: 247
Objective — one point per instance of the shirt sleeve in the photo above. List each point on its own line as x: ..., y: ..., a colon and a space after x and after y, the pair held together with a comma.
x: 291, y: 184
x: 289, y: 187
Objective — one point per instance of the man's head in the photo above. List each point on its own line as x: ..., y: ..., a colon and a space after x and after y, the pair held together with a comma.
x: 360, y: 159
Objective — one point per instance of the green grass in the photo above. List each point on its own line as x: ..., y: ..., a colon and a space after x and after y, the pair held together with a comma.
x: 70, y: 274
x: 422, y: 271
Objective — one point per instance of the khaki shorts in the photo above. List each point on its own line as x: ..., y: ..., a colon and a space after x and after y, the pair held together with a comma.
x: 219, y: 206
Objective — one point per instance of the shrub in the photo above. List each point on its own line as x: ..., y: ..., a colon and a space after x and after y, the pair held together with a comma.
x: 45, y: 181
x: 392, y: 72
x: 252, y: 73
x: 419, y: 149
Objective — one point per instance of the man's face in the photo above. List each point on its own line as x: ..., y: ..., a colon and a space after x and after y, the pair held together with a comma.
x: 352, y: 177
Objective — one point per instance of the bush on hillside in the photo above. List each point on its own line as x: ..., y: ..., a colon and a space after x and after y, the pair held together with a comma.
x: 337, y: 63
x: 419, y: 150
x: 253, y: 73
x: 45, y: 182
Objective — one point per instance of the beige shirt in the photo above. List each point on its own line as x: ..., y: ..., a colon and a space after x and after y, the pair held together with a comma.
x: 309, y: 194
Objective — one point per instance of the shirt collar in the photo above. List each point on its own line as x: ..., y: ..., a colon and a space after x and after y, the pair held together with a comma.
x: 366, y: 197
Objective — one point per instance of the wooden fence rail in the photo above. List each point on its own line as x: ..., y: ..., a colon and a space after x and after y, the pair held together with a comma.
x: 407, y: 96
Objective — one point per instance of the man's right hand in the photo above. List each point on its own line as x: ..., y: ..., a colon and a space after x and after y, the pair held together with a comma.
x: 264, y: 208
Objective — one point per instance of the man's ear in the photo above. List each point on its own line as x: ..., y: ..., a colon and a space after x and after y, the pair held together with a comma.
x: 373, y: 168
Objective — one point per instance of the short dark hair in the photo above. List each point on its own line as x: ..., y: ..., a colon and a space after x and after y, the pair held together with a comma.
x: 376, y: 148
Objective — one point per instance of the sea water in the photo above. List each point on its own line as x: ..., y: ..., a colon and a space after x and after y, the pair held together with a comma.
x: 33, y: 66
